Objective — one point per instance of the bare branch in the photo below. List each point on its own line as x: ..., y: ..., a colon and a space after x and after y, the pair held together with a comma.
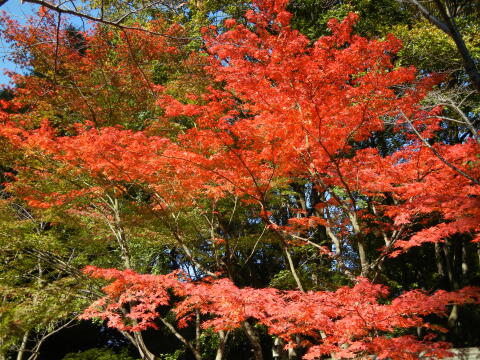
x: 61, y: 10
x: 57, y: 46
x: 430, y: 17
x: 125, y: 16
x: 450, y: 28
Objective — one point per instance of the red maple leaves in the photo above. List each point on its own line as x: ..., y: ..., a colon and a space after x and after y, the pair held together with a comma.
x: 352, y: 321
x: 279, y: 109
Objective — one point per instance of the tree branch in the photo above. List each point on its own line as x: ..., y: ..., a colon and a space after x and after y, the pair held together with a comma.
x: 439, y: 156
x: 430, y: 17
x: 116, y: 24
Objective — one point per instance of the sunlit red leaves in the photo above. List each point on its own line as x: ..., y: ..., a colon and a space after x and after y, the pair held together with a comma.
x: 110, y: 157
x: 426, y: 185
x: 100, y: 75
x: 352, y: 321
x: 136, y: 298
x: 289, y: 108
x: 282, y: 109
x: 299, y: 108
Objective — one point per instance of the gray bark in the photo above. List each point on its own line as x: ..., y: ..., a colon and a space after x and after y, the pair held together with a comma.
x: 142, y: 348
x: 254, y: 340
x: 220, y: 355
x: 23, y: 346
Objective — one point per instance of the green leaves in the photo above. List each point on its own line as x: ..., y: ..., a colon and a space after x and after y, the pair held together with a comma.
x: 101, y: 354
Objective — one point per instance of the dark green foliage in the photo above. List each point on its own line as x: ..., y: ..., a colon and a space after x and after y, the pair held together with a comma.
x: 376, y: 16
x: 98, y: 354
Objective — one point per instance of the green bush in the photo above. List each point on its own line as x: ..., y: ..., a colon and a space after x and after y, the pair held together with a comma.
x: 99, y: 354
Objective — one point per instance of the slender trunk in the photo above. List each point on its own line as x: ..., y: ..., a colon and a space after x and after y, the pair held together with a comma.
x: 464, y: 261
x: 292, y: 355
x: 450, y: 28
x: 453, y: 318
x: 278, y: 352
x: 142, y: 348
x: 254, y: 340
x: 180, y: 337
x: 120, y: 234
x: 292, y: 267
x: 220, y: 355
x: 451, y: 258
x: 449, y: 267
x: 23, y: 346
x: 197, y: 331
x: 338, y: 253
x: 338, y: 249
x: 468, y: 62
x: 36, y: 350
x: 439, y: 260
x: 364, y: 264
x: 292, y: 352
x: 137, y: 340
x: 363, y: 258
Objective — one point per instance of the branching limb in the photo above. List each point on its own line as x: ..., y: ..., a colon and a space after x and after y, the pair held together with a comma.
x: 438, y: 155
x: 118, y: 23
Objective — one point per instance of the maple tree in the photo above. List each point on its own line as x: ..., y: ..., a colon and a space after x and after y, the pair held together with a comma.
x: 347, y: 322
x: 279, y: 113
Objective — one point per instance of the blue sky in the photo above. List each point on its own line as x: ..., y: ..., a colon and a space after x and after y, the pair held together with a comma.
x: 20, y: 12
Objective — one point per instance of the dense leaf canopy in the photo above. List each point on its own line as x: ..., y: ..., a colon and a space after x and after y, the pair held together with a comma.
x: 242, y: 176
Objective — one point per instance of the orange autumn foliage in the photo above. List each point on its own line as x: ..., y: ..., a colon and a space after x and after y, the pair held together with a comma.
x: 278, y: 109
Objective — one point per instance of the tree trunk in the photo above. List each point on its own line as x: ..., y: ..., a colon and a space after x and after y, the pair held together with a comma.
x: 221, y: 346
x: 23, y: 346
x: 180, y: 337
x: 362, y: 254
x: 468, y: 62
x: 449, y: 267
x: 292, y: 266
x: 363, y: 258
x: 450, y: 28
x: 197, y: 331
x: 453, y: 317
x: 292, y: 352
x: 145, y: 354
x: 439, y: 260
x: 278, y: 353
x: 464, y: 262
x: 254, y: 340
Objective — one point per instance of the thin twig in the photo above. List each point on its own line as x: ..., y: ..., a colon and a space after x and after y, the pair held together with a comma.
x: 62, y: 10
x: 57, y: 46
